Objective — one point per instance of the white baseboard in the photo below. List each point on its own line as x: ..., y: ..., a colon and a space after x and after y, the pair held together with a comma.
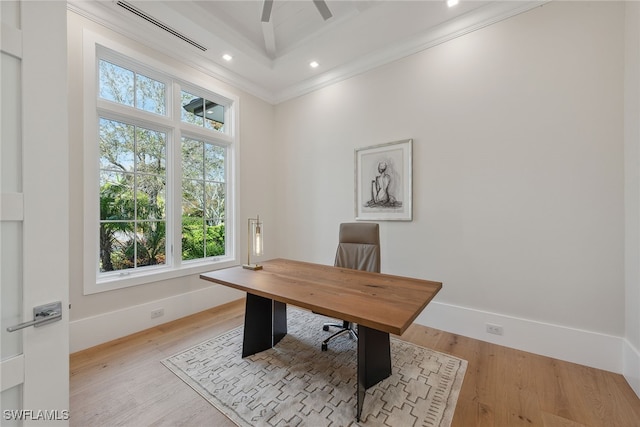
x: 91, y: 331
x: 631, y: 366
x: 573, y: 345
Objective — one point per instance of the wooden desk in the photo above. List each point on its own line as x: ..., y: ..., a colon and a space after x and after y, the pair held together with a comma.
x: 379, y: 303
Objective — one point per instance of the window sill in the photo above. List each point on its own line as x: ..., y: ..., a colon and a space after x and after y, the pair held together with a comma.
x: 114, y: 282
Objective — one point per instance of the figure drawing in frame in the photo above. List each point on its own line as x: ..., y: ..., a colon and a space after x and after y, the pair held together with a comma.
x: 383, y: 181
x: 382, y: 192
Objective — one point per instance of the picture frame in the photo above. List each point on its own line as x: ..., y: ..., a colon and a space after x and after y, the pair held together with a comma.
x: 383, y: 182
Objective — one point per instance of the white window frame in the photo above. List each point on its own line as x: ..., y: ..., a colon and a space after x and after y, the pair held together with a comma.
x: 96, y: 47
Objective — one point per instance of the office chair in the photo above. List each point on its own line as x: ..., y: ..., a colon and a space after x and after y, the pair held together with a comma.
x: 359, y: 249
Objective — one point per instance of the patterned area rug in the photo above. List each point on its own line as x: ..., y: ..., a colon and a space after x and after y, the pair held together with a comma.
x: 296, y: 384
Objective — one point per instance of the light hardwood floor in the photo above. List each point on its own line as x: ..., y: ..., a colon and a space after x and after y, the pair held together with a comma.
x: 123, y: 382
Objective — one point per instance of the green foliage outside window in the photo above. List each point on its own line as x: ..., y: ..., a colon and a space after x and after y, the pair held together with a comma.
x: 195, y: 244
x: 125, y: 243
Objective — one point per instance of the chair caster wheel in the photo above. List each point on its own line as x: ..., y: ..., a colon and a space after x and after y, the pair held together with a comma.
x: 324, y: 347
x: 325, y: 327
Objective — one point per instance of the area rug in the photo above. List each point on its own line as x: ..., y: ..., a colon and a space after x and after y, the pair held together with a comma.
x: 296, y: 384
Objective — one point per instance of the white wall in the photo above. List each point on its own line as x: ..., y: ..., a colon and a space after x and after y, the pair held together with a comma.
x: 631, y: 365
x: 104, y: 316
x: 518, y: 176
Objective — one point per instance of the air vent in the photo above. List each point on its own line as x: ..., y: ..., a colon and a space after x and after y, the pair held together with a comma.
x: 158, y: 24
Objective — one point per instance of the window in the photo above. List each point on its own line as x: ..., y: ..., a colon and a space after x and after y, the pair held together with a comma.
x: 133, y: 185
x: 129, y: 88
x: 203, y: 199
x: 162, y: 191
x: 192, y: 108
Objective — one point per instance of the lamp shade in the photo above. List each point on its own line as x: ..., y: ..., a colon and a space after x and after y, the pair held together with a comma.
x: 255, y: 242
x: 257, y: 237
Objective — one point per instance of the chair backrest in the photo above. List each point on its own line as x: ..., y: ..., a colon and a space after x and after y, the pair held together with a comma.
x: 359, y: 246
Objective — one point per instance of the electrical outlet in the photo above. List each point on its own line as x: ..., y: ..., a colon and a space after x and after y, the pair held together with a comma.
x: 157, y: 313
x: 494, y: 329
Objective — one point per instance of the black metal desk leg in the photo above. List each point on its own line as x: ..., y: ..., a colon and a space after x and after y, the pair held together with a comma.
x: 374, y: 361
x: 279, y: 321
x: 265, y: 324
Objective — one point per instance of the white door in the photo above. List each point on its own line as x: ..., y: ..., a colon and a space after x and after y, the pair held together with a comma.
x: 34, y: 230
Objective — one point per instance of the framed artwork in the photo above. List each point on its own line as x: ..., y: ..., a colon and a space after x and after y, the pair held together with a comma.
x: 383, y: 182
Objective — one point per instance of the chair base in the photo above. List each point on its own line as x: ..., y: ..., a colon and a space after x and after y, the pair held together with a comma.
x: 345, y: 327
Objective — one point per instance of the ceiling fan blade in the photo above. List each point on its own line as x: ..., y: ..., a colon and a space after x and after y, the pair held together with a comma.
x: 323, y: 9
x: 266, y: 10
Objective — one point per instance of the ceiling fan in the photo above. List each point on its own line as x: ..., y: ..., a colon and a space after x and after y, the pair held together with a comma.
x: 321, y: 5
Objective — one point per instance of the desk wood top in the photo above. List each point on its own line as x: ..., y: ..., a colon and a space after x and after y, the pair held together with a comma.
x: 380, y: 301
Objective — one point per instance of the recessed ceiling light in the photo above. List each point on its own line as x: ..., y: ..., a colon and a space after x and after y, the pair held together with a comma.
x: 314, y: 64
x: 452, y: 3
x: 227, y: 57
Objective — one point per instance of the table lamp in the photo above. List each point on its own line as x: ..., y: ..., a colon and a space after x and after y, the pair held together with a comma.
x: 254, y: 245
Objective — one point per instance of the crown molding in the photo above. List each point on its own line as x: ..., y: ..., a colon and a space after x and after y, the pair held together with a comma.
x: 460, y: 26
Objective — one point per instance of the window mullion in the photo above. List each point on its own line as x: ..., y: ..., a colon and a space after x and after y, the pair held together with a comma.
x: 204, y: 199
x: 176, y: 163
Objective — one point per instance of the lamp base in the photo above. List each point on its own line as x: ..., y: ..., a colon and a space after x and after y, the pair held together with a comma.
x: 252, y: 266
